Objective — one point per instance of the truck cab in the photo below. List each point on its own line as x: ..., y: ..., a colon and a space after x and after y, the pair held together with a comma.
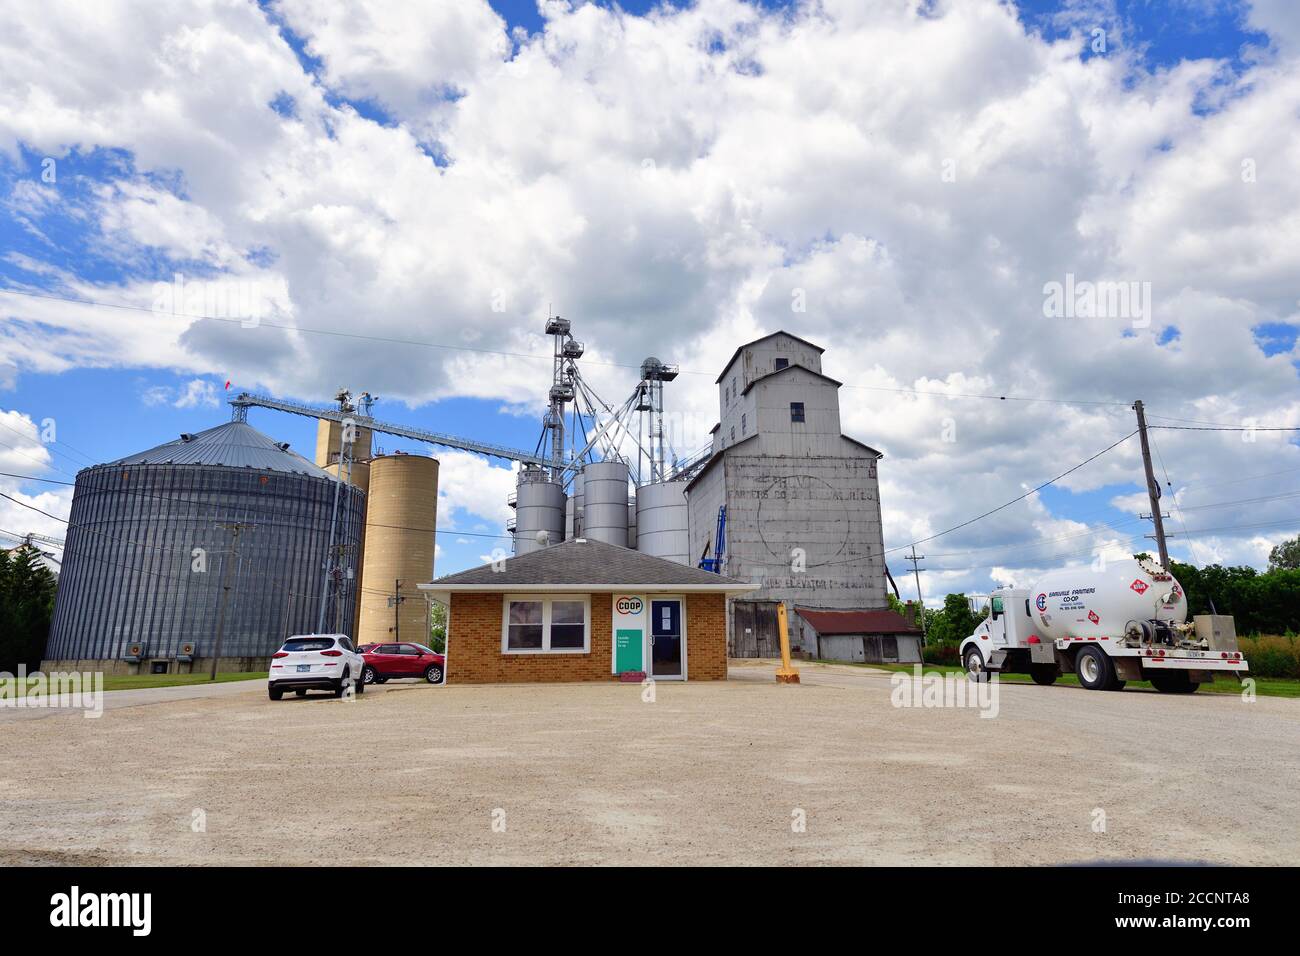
x: 1006, y: 642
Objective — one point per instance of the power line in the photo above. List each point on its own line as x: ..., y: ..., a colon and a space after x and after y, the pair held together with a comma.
x: 991, y: 511
x: 1019, y: 498
x: 1193, y: 421
x: 191, y: 501
x: 1228, y: 428
x: 987, y: 396
x: 50, y: 446
x: 1129, y: 538
x: 531, y: 356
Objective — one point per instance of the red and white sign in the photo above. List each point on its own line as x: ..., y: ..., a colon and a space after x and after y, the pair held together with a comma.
x: 1139, y: 586
x: 1092, y: 616
x: 628, y: 605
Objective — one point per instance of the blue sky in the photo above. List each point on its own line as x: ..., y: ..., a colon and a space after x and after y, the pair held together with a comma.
x: 106, y: 412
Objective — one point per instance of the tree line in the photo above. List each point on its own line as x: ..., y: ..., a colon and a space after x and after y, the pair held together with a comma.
x: 26, y: 608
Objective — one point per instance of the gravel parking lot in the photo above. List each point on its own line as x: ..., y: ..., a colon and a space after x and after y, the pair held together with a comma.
x: 709, y: 773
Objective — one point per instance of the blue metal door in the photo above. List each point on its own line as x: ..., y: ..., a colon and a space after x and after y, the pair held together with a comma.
x: 666, y: 643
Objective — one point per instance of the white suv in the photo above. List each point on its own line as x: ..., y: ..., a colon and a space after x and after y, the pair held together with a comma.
x: 315, y: 662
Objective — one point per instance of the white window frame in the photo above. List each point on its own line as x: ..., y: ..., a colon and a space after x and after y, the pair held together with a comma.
x: 546, y: 600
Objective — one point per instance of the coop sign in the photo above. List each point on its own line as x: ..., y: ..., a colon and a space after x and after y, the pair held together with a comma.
x: 629, y: 606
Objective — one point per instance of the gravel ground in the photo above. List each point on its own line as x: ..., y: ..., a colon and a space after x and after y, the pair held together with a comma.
x: 710, y: 773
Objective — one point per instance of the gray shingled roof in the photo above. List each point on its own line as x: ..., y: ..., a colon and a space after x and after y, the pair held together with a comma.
x: 234, y: 444
x: 591, y: 564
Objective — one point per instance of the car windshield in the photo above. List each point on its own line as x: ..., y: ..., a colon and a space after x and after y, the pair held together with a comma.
x: 309, y: 644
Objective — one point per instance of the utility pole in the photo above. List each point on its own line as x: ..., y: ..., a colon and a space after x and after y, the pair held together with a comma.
x: 396, y: 602
x: 347, y: 435
x: 1153, y: 487
x: 342, y: 577
x: 235, y: 529
x: 288, y: 603
x: 916, y: 573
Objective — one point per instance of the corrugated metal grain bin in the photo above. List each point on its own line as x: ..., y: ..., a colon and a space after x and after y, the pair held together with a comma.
x: 145, y: 554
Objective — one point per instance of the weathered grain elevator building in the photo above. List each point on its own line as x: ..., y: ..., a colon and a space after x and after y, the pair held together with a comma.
x: 802, y: 498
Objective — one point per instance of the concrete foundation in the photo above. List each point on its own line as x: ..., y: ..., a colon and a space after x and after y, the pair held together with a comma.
x: 200, y: 665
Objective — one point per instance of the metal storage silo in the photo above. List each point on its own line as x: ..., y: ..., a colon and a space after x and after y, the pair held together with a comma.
x: 401, y: 518
x: 573, y: 510
x: 631, y: 522
x: 539, y: 506
x: 146, y: 553
x: 605, y: 502
x: 662, y: 528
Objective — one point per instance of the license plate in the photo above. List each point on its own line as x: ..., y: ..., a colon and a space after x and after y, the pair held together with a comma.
x: 304, y: 668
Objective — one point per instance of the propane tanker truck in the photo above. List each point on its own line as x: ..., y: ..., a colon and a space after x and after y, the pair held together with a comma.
x: 1125, y: 622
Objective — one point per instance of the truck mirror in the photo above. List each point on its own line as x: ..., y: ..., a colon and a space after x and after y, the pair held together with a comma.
x: 996, y: 608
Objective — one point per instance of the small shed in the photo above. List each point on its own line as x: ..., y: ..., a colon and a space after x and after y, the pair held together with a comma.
x: 865, y: 637
x: 585, y: 610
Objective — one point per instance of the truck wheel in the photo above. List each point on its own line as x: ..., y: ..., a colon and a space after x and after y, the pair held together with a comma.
x: 1173, y: 682
x: 1044, y: 674
x: 1094, y: 669
x: 974, y: 662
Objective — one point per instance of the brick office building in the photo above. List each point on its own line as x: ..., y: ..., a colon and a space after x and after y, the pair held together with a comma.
x: 584, y: 610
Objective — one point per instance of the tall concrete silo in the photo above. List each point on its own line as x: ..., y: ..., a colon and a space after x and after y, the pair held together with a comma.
x: 151, y: 539
x: 662, y: 528
x: 401, y: 519
x: 539, y: 507
x: 605, y: 502
x: 329, y: 441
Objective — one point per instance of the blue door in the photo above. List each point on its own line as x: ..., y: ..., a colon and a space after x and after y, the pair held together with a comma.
x: 666, y: 640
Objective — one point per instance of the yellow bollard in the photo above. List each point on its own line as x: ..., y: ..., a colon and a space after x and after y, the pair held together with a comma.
x: 785, y: 674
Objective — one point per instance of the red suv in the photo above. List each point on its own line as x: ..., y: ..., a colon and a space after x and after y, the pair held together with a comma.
x: 385, y: 662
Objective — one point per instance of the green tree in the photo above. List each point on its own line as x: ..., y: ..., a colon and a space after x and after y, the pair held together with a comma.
x: 954, y: 623
x: 1266, y: 603
x: 26, y: 607
x: 438, y: 628
x: 1285, y: 556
